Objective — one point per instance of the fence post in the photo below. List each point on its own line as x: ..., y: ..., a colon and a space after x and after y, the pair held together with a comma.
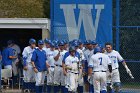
x: 0, y: 76
x: 117, y: 24
x: 52, y: 19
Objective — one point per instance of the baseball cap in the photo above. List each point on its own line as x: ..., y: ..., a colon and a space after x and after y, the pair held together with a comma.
x: 40, y: 42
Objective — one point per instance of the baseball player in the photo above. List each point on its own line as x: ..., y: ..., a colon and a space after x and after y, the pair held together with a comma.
x: 88, y: 53
x: 115, y: 57
x: 59, y: 78
x: 7, y: 57
x: 81, y: 60
x: 64, y: 65
x: 50, y: 75
x: 15, y: 62
x: 73, y: 68
x: 98, y: 65
x: 28, y: 72
x: 39, y: 63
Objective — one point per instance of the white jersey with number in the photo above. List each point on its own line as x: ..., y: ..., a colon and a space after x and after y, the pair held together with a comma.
x: 27, y: 53
x: 115, y: 57
x: 88, y: 53
x: 99, y: 62
x: 72, y: 61
x: 62, y: 53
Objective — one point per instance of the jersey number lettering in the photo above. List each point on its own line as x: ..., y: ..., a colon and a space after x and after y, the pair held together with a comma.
x: 100, y: 59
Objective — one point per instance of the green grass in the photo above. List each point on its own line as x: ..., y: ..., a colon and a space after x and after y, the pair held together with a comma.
x: 135, y: 85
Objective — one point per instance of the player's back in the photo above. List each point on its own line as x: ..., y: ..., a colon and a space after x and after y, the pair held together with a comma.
x: 100, y: 62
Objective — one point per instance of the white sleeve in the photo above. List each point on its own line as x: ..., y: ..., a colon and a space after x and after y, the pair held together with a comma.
x: 119, y: 57
x: 25, y: 53
x: 90, y: 64
x: 67, y: 61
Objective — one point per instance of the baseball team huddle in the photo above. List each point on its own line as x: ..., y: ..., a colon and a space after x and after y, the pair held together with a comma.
x: 70, y: 67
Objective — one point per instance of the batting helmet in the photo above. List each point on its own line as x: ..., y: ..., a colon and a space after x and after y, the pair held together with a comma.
x: 97, y: 49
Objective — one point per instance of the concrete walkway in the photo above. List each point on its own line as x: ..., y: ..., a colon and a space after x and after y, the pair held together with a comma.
x: 11, y: 91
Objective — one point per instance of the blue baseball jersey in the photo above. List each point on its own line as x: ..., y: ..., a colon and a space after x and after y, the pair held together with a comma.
x: 39, y: 58
x: 67, y: 54
x: 5, y: 56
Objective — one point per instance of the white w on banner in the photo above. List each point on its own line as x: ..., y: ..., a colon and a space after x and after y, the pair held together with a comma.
x: 85, y: 17
x: 82, y: 19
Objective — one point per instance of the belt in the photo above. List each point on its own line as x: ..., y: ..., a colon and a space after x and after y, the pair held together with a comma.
x: 114, y: 68
x: 74, y: 73
x: 52, y: 66
x: 99, y: 71
x: 58, y: 65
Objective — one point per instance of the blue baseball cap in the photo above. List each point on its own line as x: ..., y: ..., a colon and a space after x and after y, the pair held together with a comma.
x: 61, y: 43
x: 65, y: 41
x: 46, y: 40
x: 52, y: 45
x: 80, y: 42
x: 56, y: 46
x: 75, y: 44
x: 40, y: 42
x: 88, y: 42
x: 94, y: 42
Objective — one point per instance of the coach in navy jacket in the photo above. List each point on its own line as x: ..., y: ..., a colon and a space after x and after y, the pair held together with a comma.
x: 39, y: 62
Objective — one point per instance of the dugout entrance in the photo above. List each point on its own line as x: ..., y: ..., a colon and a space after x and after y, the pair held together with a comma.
x: 22, y: 29
x: 20, y: 36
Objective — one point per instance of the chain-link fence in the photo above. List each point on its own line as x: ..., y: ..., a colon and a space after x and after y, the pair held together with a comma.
x: 128, y: 30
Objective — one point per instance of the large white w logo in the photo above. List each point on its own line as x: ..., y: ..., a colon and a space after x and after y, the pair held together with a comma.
x: 85, y: 17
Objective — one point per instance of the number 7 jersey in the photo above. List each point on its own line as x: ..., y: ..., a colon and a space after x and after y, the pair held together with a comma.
x: 99, y: 62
